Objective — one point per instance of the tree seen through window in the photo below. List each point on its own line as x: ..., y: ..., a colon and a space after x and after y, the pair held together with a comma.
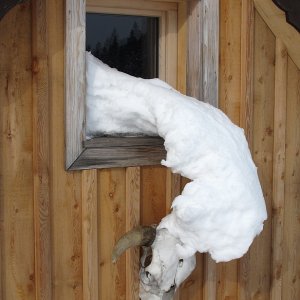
x: 129, y: 43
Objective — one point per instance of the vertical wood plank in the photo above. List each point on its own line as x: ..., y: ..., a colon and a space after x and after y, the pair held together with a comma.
x: 291, y: 233
x: 192, y: 287
x: 89, y: 235
x: 247, y: 63
x: 111, y: 226
x: 132, y: 220
x: 225, y: 274
x: 278, y: 168
x: 172, y: 55
x: 194, y: 50
x: 182, y: 47
x: 16, y: 172
x: 230, y: 59
x: 171, y: 48
x: 41, y: 154
x: 227, y: 277
x: 257, y: 269
x: 210, y: 44
x: 153, y: 194
x: 172, y: 189
x: 246, y: 108
x: 66, y: 193
x: 75, y: 78
x: 210, y: 278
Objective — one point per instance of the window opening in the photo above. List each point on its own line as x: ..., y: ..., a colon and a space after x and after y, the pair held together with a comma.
x: 186, y: 30
x: 127, y: 43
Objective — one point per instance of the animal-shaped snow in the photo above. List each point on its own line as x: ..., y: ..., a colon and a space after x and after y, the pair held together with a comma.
x: 221, y: 210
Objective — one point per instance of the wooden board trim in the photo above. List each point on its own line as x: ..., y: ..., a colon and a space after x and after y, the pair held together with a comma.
x: 120, y: 152
x: 281, y: 62
x: 275, y: 19
x: 131, y: 4
x: 76, y: 152
x: 75, y: 79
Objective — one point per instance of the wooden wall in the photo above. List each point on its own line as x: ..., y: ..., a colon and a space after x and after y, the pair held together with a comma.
x: 57, y: 228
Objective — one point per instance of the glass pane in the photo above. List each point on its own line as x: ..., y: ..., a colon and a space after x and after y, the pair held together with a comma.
x: 128, y: 43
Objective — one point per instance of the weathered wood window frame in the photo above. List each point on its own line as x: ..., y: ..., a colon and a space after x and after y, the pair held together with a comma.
x: 196, y: 50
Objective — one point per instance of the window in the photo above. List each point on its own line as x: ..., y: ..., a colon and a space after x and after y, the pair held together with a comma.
x: 166, y: 40
x: 127, y: 43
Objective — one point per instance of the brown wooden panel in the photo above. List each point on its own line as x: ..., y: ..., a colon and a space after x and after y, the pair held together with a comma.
x: 230, y: 59
x: 111, y: 226
x: 90, y: 235
x: 255, y: 265
x: 66, y: 188
x: 153, y: 194
x: 247, y: 63
x: 278, y: 167
x: 275, y: 18
x: 291, y: 239
x: 16, y: 172
x: 224, y: 275
x: 41, y: 153
x: 133, y: 187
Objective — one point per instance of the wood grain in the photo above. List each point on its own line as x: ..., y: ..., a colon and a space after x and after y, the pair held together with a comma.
x: 118, y: 157
x: 203, y: 51
x: 275, y: 18
x: 108, y: 152
x: 258, y: 256
x: 41, y: 153
x: 246, y: 110
x: 182, y: 47
x: 210, y: 278
x: 279, y: 167
x: 291, y: 228
x: 16, y: 172
x: 230, y: 59
x: 225, y: 274
x: 111, y: 226
x: 75, y: 79
x: 194, y: 50
x: 133, y: 4
x: 133, y: 182
x: 210, y: 44
x: 66, y: 193
x: 153, y: 194
x: 89, y: 235
x: 247, y: 64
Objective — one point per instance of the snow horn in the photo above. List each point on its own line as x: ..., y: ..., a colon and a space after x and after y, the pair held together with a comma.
x: 138, y: 236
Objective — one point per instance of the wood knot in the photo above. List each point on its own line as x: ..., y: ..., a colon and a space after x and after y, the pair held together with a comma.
x: 35, y: 65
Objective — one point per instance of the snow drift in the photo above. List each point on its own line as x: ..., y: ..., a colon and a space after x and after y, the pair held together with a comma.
x: 222, y: 209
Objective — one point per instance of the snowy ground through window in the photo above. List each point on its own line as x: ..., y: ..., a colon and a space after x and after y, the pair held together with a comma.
x: 222, y: 209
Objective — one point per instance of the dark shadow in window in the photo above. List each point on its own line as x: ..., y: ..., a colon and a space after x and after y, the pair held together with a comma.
x: 127, y: 43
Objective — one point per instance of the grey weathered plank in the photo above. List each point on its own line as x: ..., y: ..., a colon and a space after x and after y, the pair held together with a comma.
x: 113, y: 142
x: 210, y: 44
x: 75, y: 79
x: 120, y: 152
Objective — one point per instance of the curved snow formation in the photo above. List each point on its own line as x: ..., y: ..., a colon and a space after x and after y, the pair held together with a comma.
x: 222, y: 209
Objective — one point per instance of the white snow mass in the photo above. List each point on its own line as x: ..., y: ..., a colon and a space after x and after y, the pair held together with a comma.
x: 222, y: 209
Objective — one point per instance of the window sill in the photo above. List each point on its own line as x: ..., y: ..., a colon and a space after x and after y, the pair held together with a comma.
x: 110, y: 152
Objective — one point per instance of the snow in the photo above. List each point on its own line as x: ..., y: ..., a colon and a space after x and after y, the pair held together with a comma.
x: 222, y: 209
